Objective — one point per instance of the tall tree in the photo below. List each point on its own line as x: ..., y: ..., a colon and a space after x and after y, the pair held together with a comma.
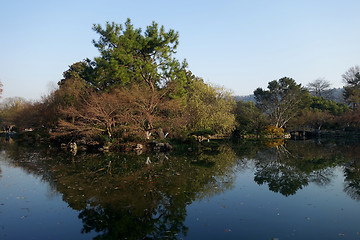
x: 282, y: 101
x: 351, y: 79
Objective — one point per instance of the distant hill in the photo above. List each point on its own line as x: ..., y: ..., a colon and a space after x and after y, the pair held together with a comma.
x: 335, y: 94
x: 248, y: 98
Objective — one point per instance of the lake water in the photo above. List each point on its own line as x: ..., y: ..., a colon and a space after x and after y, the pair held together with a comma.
x: 296, y: 190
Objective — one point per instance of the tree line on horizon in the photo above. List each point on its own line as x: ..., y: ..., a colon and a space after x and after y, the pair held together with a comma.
x: 136, y: 90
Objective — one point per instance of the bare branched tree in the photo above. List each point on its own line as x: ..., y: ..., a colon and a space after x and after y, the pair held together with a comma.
x: 134, y: 110
x: 319, y: 87
x: 349, y: 77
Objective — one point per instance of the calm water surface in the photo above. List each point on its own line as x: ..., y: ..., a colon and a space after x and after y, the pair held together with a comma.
x: 298, y: 190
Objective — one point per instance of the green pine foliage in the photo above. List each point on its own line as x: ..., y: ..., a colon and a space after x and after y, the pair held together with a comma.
x: 130, y: 55
x: 324, y: 105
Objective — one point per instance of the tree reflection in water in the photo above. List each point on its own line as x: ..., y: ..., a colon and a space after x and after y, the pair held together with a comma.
x: 352, y: 174
x: 288, y: 168
x: 138, y: 199
x: 352, y: 183
x: 146, y: 196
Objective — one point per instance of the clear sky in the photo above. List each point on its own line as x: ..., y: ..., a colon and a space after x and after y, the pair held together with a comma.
x: 240, y: 45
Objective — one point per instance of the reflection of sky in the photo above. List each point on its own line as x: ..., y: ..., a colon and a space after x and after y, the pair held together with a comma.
x: 250, y: 211
x: 29, y: 210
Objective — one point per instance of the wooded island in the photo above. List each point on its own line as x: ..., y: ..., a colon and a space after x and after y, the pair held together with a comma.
x: 136, y: 91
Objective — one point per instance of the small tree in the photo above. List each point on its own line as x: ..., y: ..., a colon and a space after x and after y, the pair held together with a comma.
x: 209, y: 108
x: 123, y: 112
x: 98, y: 113
x: 10, y: 108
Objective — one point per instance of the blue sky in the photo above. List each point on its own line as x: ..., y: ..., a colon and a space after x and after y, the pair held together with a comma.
x: 240, y: 45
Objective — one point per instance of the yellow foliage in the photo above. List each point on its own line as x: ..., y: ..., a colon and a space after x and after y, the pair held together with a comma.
x: 274, y: 132
x: 275, y: 142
